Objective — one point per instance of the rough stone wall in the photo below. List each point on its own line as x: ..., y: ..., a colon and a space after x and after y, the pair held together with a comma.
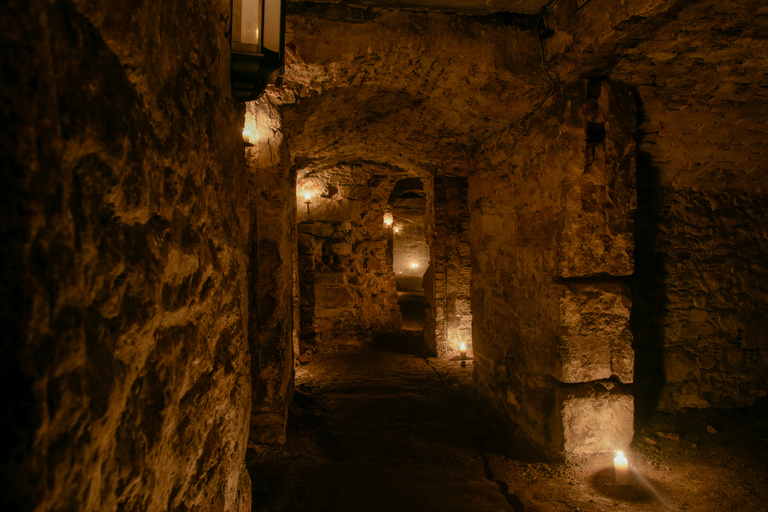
x: 451, y: 268
x: 347, y: 285
x: 701, y: 260
x: 124, y: 307
x: 711, y: 313
x: 699, y: 68
x: 272, y: 192
x: 551, y: 204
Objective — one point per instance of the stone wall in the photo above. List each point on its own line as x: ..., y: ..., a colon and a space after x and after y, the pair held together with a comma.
x: 124, y: 264
x: 701, y: 271
x: 552, y: 202
x: 272, y: 192
x: 346, y: 283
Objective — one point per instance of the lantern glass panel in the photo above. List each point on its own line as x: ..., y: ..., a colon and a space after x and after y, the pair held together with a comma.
x: 250, y: 21
x: 272, y: 24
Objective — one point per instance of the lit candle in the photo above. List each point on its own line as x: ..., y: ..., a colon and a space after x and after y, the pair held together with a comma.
x: 246, y: 136
x: 388, y: 219
x: 414, y: 265
x: 463, y: 351
x: 397, y: 230
x: 307, y: 196
x: 621, y: 466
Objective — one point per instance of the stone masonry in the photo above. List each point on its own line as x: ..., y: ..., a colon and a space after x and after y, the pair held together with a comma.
x: 552, y: 203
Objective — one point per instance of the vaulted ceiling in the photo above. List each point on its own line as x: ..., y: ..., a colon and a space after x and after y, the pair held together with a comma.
x: 416, y: 90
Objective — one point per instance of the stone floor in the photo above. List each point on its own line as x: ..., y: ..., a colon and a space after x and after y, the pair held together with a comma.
x: 384, y: 429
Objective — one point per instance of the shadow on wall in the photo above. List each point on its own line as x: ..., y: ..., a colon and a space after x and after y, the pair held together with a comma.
x: 649, y: 291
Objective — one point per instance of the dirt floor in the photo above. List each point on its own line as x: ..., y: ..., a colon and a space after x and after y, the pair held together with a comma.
x: 386, y: 429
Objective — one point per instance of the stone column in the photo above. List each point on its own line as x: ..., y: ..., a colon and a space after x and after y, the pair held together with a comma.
x: 451, y: 267
x: 271, y: 273
x: 552, y: 205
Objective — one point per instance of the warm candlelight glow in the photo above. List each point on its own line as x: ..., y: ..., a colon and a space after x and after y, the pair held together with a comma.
x: 388, y: 219
x: 246, y: 136
x: 307, y: 196
x: 414, y: 265
x: 463, y: 351
x: 621, y: 465
x: 397, y: 229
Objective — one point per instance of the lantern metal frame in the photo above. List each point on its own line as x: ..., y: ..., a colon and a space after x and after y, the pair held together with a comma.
x: 253, y: 65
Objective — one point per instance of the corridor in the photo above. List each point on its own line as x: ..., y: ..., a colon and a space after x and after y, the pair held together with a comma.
x: 384, y: 429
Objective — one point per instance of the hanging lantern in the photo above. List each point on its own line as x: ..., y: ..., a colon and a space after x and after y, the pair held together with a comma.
x: 258, y: 45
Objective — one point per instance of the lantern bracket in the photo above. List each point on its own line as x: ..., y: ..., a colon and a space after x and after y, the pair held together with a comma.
x: 251, y: 74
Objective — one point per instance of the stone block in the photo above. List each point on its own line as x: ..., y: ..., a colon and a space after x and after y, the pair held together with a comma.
x: 592, y: 418
x: 329, y: 279
x: 584, y: 358
x: 596, y: 342
x: 332, y: 297
x: 318, y: 229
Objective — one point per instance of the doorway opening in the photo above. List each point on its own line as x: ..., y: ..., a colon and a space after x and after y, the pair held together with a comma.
x: 410, y: 252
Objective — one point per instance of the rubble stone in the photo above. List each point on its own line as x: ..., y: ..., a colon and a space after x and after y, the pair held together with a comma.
x: 346, y: 280
x: 125, y: 228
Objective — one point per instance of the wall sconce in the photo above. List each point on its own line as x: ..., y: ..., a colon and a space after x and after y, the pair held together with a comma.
x: 388, y: 219
x: 307, y: 200
x: 258, y: 45
x: 346, y: 228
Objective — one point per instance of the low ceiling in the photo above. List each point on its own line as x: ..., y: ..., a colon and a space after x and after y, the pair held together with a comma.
x: 415, y: 91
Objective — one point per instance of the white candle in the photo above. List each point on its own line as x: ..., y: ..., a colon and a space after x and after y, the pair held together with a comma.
x: 621, y: 465
x: 463, y: 351
x: 246, y: 136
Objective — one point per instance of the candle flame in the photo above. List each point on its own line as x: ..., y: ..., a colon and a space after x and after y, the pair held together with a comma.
x: 307, y: 196
x: 620, y: 455
x: 463, y: 347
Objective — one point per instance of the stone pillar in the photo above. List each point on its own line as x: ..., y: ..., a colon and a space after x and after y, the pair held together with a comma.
x: 552, y: 234
x: 271, y: 273
x: 596, y: 246
x: 451, y: 267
